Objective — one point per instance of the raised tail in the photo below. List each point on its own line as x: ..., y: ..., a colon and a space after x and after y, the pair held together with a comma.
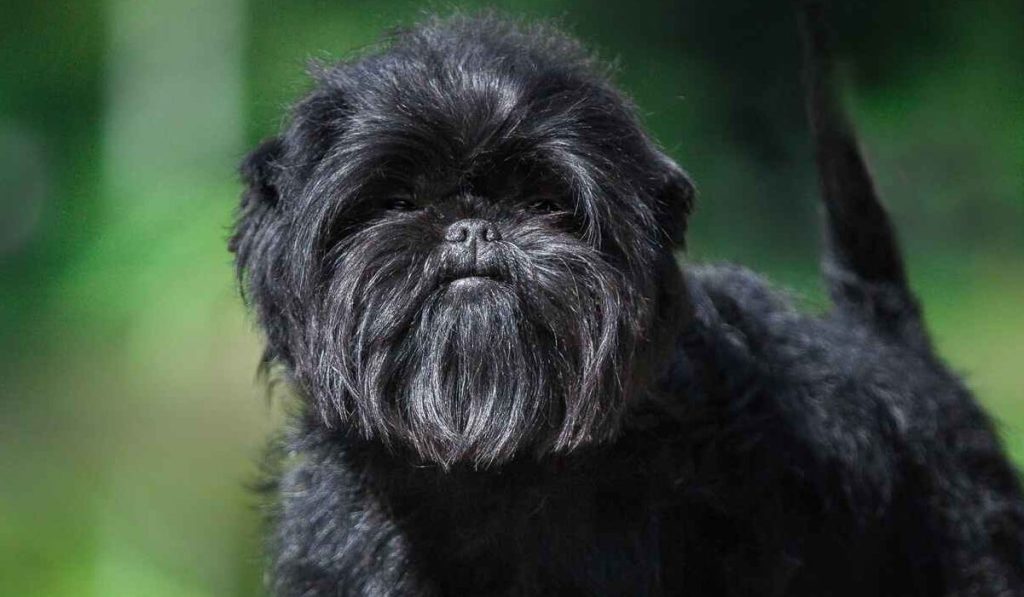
x: 863, y: 265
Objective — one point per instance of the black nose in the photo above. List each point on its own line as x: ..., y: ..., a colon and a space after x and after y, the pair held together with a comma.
x: 468, y: 231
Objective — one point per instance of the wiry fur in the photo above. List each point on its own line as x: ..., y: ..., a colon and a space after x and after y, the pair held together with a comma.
x: 461, y: 250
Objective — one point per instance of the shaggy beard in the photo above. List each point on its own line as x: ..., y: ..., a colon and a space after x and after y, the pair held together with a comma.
x: 538, y: 358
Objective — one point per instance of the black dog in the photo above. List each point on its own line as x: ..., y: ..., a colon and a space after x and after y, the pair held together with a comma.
x: 461, y: 251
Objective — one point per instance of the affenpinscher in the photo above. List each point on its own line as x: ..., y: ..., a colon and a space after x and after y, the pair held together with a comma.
x: 461, y: 252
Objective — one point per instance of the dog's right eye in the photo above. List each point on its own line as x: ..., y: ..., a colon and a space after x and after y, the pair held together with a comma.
x: 543, y: 206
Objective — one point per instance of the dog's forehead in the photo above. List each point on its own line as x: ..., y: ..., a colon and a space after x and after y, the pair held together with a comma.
x: 464, y: 113
x: 440, y: 128
x: 465, y: 88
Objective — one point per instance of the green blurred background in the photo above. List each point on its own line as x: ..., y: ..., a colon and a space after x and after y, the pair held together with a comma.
x: 130, y: 419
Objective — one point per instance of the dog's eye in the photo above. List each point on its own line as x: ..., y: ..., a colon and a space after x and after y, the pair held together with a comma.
x: 400, y: 204
x: 543, y: 206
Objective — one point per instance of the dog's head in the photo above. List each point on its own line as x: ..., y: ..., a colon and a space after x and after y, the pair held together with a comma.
x: 462, y: 244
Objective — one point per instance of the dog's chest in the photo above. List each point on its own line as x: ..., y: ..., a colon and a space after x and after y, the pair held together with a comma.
x: 565, y: 541
x: 629, y: 532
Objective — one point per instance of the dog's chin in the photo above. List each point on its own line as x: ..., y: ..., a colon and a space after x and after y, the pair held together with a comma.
x: 484, y: 374
x: 474, y: 388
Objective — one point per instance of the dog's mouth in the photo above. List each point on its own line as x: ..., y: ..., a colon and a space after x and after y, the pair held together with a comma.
x: 471, y: 274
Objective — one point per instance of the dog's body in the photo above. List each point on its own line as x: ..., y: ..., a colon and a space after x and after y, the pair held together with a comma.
x: 507, y: 396
x: 830, y: 461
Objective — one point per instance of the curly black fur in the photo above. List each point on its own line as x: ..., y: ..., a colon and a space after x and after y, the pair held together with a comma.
x: 461, y: 251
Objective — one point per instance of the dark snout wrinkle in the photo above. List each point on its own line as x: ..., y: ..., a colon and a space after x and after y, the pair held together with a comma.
x: 460, y: 261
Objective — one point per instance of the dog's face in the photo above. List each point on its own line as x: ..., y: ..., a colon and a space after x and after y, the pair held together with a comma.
x: 462, y: 245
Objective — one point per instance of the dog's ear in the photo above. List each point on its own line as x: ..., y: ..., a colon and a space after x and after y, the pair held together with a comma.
x: 674, y: 194
x: 257, y: 225
x: 259, y: 173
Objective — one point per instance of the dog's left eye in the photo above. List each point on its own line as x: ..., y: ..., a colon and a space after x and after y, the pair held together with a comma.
x: 401, y: 204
